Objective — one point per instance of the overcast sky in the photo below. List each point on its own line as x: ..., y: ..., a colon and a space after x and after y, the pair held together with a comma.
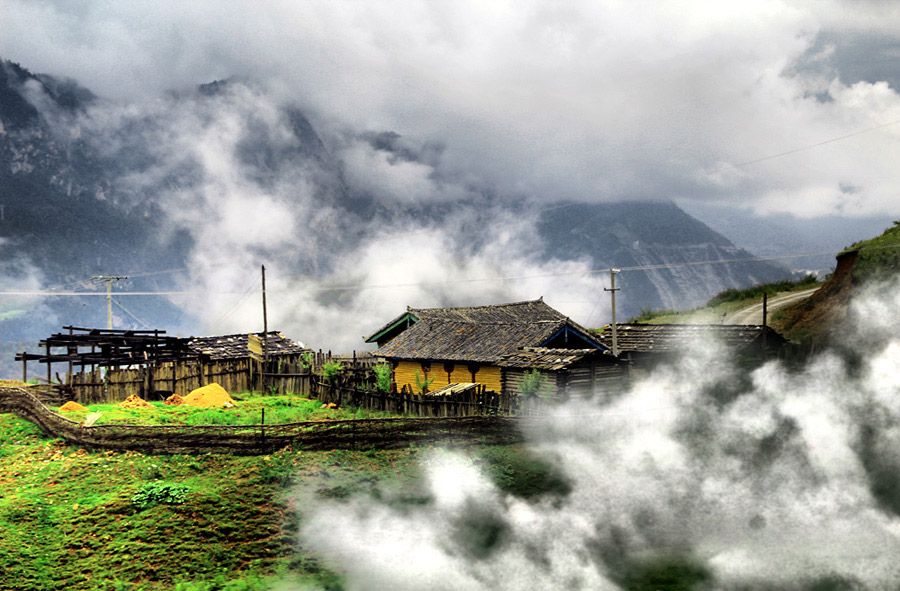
x: 589, y: 100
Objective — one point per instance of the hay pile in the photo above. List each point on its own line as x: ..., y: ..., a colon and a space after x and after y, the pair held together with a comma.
x: 71, y: 406
x: 134, y: 402
x: 212, y: 395
x: 14, y: 384
x: 174, y: 400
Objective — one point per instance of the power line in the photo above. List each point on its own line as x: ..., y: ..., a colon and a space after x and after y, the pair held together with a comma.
x: 809, y: 147
x: 435, y: 283
x: 505, y: 215
x: 127, y: 311
x: 450, y: 282
x: 240, y: 302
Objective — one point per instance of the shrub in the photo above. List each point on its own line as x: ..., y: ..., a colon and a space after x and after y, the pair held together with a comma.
x: 331, y: 369
x: 422, y: 383
x: 159, y: 492
x: 533, y: 383
x: 382, y: 377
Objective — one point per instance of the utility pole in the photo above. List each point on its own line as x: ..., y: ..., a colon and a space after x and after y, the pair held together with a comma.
x: 265, y: 339
x: 613, y: 289
x: 109, y: 280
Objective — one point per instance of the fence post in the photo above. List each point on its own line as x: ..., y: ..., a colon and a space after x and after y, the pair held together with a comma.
x: 262, y: 427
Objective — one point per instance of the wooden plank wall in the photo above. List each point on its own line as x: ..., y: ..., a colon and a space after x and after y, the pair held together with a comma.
x: 580, y: 380
x: 285, y: 375
x: 405, y: 375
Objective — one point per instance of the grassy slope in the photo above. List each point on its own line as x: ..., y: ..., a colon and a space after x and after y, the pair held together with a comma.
x: 68, y: 520
x: 879, y: 257
x: 814, y: 320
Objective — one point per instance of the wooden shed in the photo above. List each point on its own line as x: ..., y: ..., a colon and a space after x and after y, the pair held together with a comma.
x: 247, y: 345
x: 468, y: 345
x: 569, y: 372
x: 643, y: 345
x: 115, y: 364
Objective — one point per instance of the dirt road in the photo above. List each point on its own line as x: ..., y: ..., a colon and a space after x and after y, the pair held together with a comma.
x: 753, y: 314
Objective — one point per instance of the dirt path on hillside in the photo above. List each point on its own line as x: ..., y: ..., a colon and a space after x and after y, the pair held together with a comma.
x: 753, y: 314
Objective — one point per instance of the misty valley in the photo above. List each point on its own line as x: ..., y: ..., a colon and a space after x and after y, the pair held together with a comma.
x: 369, y: 316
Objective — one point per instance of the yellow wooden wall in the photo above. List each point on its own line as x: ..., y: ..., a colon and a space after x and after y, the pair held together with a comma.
x: 405, y: 375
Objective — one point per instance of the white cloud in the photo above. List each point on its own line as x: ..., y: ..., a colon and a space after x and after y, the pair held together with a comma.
x: 579, y: 100
x: 780, y: 480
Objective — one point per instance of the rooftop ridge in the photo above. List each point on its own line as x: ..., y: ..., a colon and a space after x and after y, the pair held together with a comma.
x: 499, y: 322
x: 540, y: 300
x: 237, y: 334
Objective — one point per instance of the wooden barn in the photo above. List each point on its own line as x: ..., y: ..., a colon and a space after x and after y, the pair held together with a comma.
x: 643, y: 345
x: 485, y: 344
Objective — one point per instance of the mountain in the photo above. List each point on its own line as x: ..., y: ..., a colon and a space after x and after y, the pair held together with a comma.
x: 192, y: 191
x: 654, y: 234
x: 61, y: 218
x: 775, y: 234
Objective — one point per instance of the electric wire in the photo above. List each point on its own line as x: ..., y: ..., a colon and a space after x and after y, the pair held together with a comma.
x: 129, y: 312
x: 809, y: 147
x: 500, y: 218
x: 363, y: 286
x: 236, y: 306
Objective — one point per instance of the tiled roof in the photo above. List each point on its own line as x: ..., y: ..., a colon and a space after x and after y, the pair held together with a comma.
x: 527, y: 311
x: 516, y: 312
x: 234, y: 346
x: 546, y: 359
x: 482, y: 334
x: 658, y: 338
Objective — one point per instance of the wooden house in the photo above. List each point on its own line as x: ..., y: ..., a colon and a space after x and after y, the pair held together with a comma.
x: 484, y: 344
x: 643, y: 345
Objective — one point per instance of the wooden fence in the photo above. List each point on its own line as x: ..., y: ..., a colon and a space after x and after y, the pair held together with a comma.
x: 343, y: 392
x: 353, y: 387
x: 235, y: 375
x: 258, y: 439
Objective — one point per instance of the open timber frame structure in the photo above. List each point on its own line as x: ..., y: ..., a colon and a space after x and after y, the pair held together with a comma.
x: 109, y: 348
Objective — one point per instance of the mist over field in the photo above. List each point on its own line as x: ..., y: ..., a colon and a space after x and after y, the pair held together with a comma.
x: 699, y: 476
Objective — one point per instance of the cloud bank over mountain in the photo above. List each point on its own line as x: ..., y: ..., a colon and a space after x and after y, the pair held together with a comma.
x: 576, y: 101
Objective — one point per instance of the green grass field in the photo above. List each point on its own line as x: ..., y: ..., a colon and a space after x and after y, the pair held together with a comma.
x: 77, y: 519
x: 248, y: 410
